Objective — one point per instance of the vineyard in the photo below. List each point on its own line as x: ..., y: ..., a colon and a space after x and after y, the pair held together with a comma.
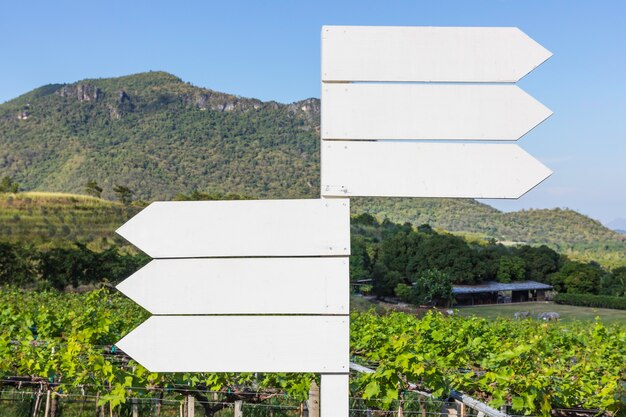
x: 57, y: 349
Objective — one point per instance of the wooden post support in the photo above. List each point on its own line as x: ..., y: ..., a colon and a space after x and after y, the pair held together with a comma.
x: 238, y: 409
x: 135, y: 407
x: 313, y: 403
x: 47, y: 409
x: 461, y: 407
x: 190, y: 406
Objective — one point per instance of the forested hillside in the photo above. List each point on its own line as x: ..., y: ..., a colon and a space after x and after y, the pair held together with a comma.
x: 159, y: 136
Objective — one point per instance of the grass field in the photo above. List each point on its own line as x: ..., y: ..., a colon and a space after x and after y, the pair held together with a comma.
x: 55, y: 219
x: 568, y: 313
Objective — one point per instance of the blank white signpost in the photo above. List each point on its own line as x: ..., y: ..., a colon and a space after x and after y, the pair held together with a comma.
x: 413, y: 91
x: 275, y: 273
x: 272, y: 274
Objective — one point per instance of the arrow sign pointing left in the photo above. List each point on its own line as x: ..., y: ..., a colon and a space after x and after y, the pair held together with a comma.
x: 254, y: 343
x: 242, y: 285
x: 195, y: 229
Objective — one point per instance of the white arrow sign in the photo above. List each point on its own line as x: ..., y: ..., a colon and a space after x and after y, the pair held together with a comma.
x: 412, y: 169
x: 253, y: 343
x: 429, y: 54
x: 428, y: 111
x: 242, y: 285
x: 193, y: 229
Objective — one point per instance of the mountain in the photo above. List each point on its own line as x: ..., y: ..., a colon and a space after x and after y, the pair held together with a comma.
x: 160, y: 136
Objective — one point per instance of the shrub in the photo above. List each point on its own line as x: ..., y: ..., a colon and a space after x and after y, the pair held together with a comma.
x: 590, y: 300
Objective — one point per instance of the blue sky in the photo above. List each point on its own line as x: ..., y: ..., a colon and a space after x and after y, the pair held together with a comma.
x: 270, y: 50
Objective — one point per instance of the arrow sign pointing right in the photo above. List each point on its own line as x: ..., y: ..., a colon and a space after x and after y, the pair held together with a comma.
x: 428, y: 54
x: 428, y: 111
x: 411, y: 169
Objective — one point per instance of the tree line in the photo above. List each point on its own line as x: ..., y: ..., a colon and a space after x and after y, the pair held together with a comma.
x: 417, y: 264
x: 420, y: 265
x: 60, y: 268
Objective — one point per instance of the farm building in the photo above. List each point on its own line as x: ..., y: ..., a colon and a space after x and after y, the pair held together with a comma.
x: 498, y: 292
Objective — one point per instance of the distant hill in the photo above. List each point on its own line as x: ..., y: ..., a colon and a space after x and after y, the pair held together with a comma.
x: 161, y: 136
x: 619, y: 225
x: 566, y: 231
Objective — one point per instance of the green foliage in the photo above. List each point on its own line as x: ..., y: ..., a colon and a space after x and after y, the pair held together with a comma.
x: 403, y: 292
x: 578, y: 277
x: 534, y: 366
x: 59, y: 268
x: 385, y: 281
x: 17, y: 266
x: 394, y: 255
x: 124, y: 194
x: 614, y: 284
x: 93, y: 189
x: 387, y: 252
x: 591, y: 300
x: 64, y: 341
x: 431, y: 287
x: 539, y: 261
x: 196, y: 195
x: 7, y: 185
x: 511, y: 268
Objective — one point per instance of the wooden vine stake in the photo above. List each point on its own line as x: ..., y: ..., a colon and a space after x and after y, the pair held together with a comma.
x: 190, y: 406
x: 313, y: 403
x: 238, y: 409
x: 47, y: 409
x: 135, y: 408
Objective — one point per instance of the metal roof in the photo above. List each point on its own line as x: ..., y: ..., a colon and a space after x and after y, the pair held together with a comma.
x: 500, y: 286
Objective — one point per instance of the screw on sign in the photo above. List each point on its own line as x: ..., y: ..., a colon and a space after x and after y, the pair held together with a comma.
x: 276, y: 271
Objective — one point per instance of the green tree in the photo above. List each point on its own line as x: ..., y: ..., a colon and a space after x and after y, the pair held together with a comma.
x: 16, y: 265
x: 578, y: 277
x: 403, y: 291
x: 446, y: 253
x: 614, y: 284
x: 360, y: 262
x: 511, y: 268
x: 8, y: 185
x: 431, y: 287
x: 124, y: 194
x: 93, y: 189
x: 385, y: 281
x: 540, y: 261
